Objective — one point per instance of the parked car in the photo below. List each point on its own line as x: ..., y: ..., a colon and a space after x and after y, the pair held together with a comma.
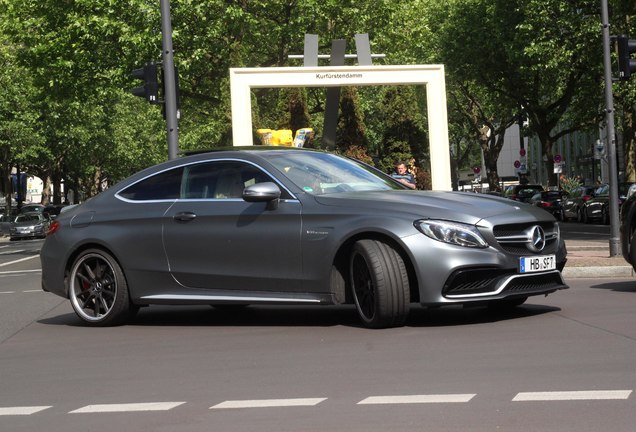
x: 260, y: 225
x: 29, y: 225
x: 31, y: 208
x: 550, y: 201
x: 573, y: 203
x: 597, y: 207
x: 53, y: 210
x: 5, y: 224
x: 522, y: 193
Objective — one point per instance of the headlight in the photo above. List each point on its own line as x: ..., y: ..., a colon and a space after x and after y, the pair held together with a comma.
x: 452, y: 232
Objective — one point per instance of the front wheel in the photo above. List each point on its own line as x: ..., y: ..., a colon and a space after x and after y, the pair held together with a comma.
x: 380, y: 284
x: 98, y: 290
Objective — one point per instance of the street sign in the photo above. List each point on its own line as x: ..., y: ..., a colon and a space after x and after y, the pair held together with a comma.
x: 557, y: 158
x: 517, y: 164
x: 522, y: 152
x: 476, y: 170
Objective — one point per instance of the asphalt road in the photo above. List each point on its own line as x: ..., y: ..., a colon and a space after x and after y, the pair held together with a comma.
x: 560, y: 363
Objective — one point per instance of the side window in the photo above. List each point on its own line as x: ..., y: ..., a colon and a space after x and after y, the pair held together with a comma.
x: 220, y: 180
x: 163, y: 186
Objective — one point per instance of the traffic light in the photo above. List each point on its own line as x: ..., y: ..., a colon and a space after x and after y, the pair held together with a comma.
x: 626, y: 64
x: 150, y: 90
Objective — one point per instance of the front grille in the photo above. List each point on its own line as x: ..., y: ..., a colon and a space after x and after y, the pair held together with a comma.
x: 483, y: 282
x: 467, y: 282
x: 542, y: 282
x: 513, y: 238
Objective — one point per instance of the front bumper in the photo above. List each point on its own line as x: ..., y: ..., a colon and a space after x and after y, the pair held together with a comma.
x: 448, y: 274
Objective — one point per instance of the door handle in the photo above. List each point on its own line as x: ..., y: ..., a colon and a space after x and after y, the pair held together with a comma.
x: 184, y: 216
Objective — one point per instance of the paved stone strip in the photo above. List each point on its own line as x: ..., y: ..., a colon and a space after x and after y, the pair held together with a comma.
x: 268, y: 403
x: 417, y: 399
x: 129, y: 407
x: 572, y: 395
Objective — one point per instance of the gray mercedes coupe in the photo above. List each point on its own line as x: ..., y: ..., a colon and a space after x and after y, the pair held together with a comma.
x: 263, y: 225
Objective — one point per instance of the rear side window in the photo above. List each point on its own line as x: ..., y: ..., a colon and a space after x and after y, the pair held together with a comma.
x: 163, y: 186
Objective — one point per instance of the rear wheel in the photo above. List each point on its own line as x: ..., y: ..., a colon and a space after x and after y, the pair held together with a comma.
x: 98, y: 290
x: 380, y: 284
x: 579, y: 215
x: 605, y: 217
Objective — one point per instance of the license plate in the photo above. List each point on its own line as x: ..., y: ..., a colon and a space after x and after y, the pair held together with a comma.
x: 537, y: 263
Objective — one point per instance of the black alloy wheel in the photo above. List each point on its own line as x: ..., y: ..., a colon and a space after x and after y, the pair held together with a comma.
x: 98, y: 290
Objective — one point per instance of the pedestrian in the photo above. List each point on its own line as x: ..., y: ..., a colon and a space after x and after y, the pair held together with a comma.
x: 402, y: 175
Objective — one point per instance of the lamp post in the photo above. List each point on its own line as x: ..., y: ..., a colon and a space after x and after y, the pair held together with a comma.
x: 614, y: 241
x: 169, y: 82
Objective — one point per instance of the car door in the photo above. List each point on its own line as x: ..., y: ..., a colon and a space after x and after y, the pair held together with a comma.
x: 215, y: 240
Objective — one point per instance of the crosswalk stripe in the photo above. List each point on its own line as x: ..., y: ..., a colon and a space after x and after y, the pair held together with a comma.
x: 17, y: 251
x: 20, y: 271
x: 572, y: 395
x: 22, y: 410
x: 417, y: 399
x: 19, y: 260
x: 129, y: 407
x: 268, y: 403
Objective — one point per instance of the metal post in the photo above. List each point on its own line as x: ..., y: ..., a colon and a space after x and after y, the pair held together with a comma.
x: 170, y: 92
x: 332, y: 104
x: 614, y: 241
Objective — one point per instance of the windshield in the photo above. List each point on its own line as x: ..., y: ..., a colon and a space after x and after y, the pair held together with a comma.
x: 324, y: 173
x: 27, y: 218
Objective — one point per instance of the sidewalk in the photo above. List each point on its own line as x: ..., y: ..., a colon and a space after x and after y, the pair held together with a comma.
x: 590, y: 259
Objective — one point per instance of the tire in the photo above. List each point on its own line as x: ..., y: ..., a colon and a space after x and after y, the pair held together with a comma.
x: 605, y: 217
x: 380, y: 284
x: 561, y: 216
x: 98, y: 290
x: 632, y: 250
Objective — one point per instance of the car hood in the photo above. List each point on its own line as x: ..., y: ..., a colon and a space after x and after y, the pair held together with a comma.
x: 458, y: 206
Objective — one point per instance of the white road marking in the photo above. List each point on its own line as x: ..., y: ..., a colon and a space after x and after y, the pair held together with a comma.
x: 129, y: 407
x: 33, y: 291
x: 572, y: 395
x: 21, y: 410
x: 268, y: 403
x: 20, y: 271
x: 11, y: 252
x: 19, y: 260
x: 7, y: 292
x: 417, y: 399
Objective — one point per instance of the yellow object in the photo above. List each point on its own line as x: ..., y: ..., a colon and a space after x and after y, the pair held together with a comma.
x: 265, y: 135
x: 280, y: 137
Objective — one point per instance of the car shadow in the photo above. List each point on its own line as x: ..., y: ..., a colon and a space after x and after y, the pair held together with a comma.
x: 624, y: 286
x: 298, y: 316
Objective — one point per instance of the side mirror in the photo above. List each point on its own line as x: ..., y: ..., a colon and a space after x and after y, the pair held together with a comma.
x: 263, y: 192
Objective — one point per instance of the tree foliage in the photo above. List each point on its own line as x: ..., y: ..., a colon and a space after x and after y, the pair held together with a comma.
x: 66, y: 113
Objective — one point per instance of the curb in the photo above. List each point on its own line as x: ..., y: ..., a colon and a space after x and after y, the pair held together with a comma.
x: 597, y: 272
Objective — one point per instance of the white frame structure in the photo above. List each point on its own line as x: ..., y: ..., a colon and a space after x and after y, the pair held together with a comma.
x: 242, y: 80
